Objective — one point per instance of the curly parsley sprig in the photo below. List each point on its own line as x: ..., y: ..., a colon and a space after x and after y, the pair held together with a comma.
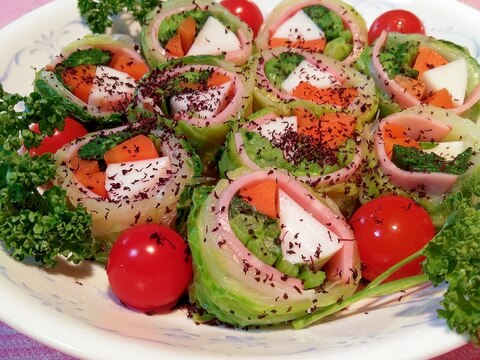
x: 98, y: 13
x: 33, y: 223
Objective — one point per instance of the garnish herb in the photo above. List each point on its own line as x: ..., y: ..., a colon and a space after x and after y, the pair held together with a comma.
x: 36, y: 224
x: 412, y: 159
x: 99, y: 13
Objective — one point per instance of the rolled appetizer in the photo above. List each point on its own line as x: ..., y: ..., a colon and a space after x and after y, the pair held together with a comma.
x: 286, y: 75
x: 330, y: 27
x: 126, y: 176
x: 266, y: 250
x: 179, y: 28
x: 415, y: 69
x: 199, y: 97
x: 95, y: 76
x: 423, y: 152
x: 318, y: 147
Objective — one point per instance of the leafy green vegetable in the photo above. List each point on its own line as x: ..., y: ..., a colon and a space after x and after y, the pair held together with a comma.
x: 398, y: 58
x: 330, y: 23
x: 32, y: 223
x: 340, y: 47
x: 92, y: 56
x: 98, y: 13
x: 99, y: 145
x: 412, y: 159
x: 278, y: 68
x: 169, y: 26
x: 453, y: 256
x: 258, y: 232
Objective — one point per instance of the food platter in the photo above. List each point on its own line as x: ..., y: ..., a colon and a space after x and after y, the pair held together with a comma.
x: 72, y: 309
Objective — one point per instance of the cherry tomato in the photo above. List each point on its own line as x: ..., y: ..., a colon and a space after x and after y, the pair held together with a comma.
x: 149, y: 267
x: 72, y: 130
x: 247, y: 11
x: 387, y: 230
x: 401, y: 21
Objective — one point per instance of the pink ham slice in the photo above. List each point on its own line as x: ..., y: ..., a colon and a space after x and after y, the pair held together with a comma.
x: 422, y: 128
x: 340, y: 267
x: 398, y: 93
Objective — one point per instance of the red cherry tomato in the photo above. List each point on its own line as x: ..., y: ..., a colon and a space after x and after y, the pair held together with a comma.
x: 401, y: 21
x: 247, y: 11
x: 149, y: 267
x: 72, y: 130
x: 387, y: 230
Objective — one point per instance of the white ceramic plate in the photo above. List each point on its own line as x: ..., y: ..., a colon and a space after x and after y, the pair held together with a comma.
x: 71, y: 308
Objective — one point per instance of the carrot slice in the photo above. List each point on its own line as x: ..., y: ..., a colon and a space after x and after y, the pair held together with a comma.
x: 79, y: 80
x: 412, y: 86
x: 174, y: 46
x: 441, y: 98
x: 137, y: 148
x: 217, y: 79
x: 331, y: 129
x: 87, y: 173
x: 122, y: 62
x: 337, y: 96
x: 78, y: 165
x: 427, y: 59
x: 307, y: 123
x: 94, y: 182
x: 262, y: 196
x: 315, y: 45
x: 336, y: 128
x: 395, y: 134
x: 186, y: 30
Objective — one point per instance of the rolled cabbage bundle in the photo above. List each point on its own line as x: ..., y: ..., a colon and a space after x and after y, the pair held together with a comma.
x: 186, y: 28
x: 286, y: 75
x: 423, y: 152
x: 331, y: 27
x: 414, y: 69
x: 267, y: 250
x: 95, y: 77
x: 126, y: 176
x: 318, y: 147
x: 199, y: 97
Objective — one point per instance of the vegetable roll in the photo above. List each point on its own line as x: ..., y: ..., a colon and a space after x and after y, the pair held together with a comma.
x: 415, y: 69
x: 423, y: 152
x: 199, y: 97
x: 285, y: 75
x: 266, y: 250
x: 95, y: 77
x: 178, y: 28
x: 126, y: 176
x: 331, y: 27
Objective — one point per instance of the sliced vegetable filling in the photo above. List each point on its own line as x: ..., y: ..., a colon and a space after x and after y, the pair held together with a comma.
x: 302, y: 143
x: 101, y: 78
x: 199, y: 94
x: 314, y: 28
x: 196, y: 32
x: 281, y: 233
x: 299, y: 78
x: 433, y: 155
x: 120, y: 166
x: 426, y: 74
